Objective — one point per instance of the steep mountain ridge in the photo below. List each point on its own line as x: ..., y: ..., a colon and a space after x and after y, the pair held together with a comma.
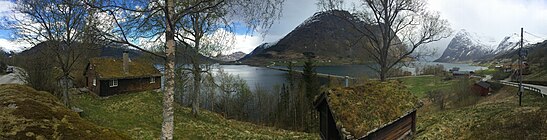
x: 512, y: 42
x: 466, y: 46
x: 331, y: 35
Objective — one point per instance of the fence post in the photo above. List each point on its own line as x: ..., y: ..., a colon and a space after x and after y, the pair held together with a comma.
x: 346, y: 81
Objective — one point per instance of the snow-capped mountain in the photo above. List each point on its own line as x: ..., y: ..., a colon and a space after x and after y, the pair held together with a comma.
x: 467, y: 46
x: 258, y: 50
x: 230, y: 57
x: 512, y: 42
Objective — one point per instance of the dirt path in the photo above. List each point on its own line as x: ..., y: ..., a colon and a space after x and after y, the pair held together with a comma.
x: 13, y: 78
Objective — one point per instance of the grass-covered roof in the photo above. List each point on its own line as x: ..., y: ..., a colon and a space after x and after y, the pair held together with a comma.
x: 361, y: 109
x: 111, y: 68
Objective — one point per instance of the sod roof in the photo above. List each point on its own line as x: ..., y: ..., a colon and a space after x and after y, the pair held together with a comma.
x: 29, y: 114
x: 111, y: 68
x: 360, y: 110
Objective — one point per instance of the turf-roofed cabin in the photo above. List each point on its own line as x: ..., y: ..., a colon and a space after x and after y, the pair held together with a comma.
x: 375, y: 110
x: 108, y: 76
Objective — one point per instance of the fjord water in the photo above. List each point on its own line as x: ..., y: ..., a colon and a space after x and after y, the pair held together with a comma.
x: 268, y: 78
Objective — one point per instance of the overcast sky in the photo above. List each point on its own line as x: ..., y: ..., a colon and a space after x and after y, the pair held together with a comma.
x: 492, y: 18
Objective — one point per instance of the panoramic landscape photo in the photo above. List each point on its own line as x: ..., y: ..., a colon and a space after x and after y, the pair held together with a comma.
x: 273, y: 69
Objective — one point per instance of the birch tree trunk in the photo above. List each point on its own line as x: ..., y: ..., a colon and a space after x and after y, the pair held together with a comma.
x: 167, y: 124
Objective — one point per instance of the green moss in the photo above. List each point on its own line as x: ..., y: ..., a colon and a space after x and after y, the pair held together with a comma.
x: 30, y: 114
x: 361, y: 109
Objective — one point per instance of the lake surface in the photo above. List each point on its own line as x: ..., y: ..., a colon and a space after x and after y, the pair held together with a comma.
x: 268, y: 78
x: 257, y: 76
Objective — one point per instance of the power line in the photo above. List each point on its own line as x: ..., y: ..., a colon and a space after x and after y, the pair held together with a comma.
x: 538, y: 36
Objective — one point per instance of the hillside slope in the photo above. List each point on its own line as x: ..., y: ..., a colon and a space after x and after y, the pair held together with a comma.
x: 139, y: 115
x: 496, y: 117
x: 29, y: 114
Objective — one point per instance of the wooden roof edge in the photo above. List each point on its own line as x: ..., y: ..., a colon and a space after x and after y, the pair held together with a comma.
x: 389, y: 123
x: 319, y: 99
x: 129, y: 77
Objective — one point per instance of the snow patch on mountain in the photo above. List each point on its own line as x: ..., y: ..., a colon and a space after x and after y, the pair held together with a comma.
x: 475, y: 39
x: 512, y: 42
x: 467, y: 46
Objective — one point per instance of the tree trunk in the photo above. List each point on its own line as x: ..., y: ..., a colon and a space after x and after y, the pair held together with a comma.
x: 196, y: 90
x: 64, y: 80
x: 167, y: 125
x: 197, y: 76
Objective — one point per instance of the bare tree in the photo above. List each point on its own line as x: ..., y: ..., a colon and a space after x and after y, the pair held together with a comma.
x: 325, y: 5
x: 205, y: 32
x: 394, y: 29
x: 157, y: 20
x: 60, y: 26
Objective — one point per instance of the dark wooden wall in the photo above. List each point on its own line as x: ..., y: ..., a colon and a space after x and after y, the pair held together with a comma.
x: 327, y: 124
x: 90, y: 75
x: 128, y: 85
x: 404, y: 127
x: 481, y: 90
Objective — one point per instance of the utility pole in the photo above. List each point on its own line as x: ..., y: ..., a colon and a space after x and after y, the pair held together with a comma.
x: 521, y: 56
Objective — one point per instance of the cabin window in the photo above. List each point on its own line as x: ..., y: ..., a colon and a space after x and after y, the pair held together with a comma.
x: 152, y: 80
x: 113, y: 83
x: 94, y: 82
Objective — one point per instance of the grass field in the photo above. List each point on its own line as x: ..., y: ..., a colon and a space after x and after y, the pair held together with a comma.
x: 486, y: 72
x: 140, y: 116
x: 419, y: 86
x: 494, y: 117
x: 537, y: 75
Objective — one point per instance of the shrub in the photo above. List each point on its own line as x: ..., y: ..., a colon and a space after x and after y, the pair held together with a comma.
x: 500, y: 75
x: 463, y: 94
x: 3, y: 67
x: 438, y: 97
x: 437, y: 70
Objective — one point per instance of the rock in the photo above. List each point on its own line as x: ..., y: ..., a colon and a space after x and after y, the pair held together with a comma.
x: 12, y: 106
x: 83, y: 90
x: 78, y: 110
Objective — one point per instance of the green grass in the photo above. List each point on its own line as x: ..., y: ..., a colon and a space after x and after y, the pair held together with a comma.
x: 538, y: 74
x: 419, y: 86
x: 140, y: 116
x: 486, y: 72
x: 497, y: 117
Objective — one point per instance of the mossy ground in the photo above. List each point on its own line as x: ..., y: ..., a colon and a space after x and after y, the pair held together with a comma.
x: 419, y: 86
x: 495, y: 117
x: 140, y: 116
x: 29, y: 114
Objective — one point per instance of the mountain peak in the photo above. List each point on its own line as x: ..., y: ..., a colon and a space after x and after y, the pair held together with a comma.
x: 467, y: 46
x: 325, y: 15
x: 330, y: 35
x: 512, y: 41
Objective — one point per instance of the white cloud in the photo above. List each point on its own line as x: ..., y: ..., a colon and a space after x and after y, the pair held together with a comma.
x: 9, y: 45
